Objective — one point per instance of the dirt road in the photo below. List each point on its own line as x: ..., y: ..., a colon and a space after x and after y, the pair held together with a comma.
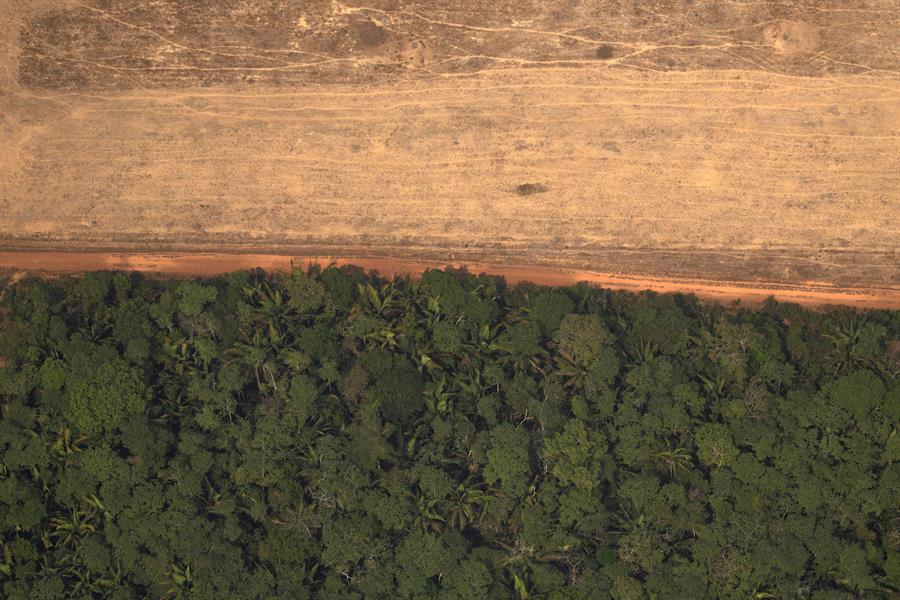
x: 196, y: 264
x: 690, y: 141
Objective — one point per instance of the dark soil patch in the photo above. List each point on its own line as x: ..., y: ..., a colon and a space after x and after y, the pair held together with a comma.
x: 527, y: 189
x: 605, y: 52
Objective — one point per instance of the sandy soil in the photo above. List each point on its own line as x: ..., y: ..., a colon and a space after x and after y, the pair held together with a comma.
x: 664, y: 140
x: 208, y: 265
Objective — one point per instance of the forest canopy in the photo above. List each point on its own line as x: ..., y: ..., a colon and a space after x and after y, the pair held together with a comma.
x: 333, y: 434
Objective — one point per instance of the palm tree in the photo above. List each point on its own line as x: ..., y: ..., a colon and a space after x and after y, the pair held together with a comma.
x: 437, y: 397
x: 641, y: 352
x: 66, y: 529
x: 255, y: 354
x: 428, y: 516
x: 66, y: 444
x: 675, y: 459
x: 714, y: 381
x: 845, y: 336
x: 384, y: 300
x: 465, y: 506
x: 269, y: 307
x: 574, y: 375
x: 181, y: 580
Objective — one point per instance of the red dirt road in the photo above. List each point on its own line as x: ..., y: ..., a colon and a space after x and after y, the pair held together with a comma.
x: 811, y: 294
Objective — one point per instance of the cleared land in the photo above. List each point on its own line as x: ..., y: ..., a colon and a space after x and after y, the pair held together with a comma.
x: 738, y: 145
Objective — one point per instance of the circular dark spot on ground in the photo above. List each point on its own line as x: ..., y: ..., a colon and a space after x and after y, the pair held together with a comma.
x: 526, y: 189
x: 605, y: 52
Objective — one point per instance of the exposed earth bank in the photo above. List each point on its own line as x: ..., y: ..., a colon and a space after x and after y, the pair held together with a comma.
x: 209, y: 264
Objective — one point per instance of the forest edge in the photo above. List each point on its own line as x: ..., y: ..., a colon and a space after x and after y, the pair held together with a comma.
x: 173, y: 264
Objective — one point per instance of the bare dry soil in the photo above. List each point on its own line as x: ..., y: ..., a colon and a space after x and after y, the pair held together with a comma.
x: 731, y: 144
